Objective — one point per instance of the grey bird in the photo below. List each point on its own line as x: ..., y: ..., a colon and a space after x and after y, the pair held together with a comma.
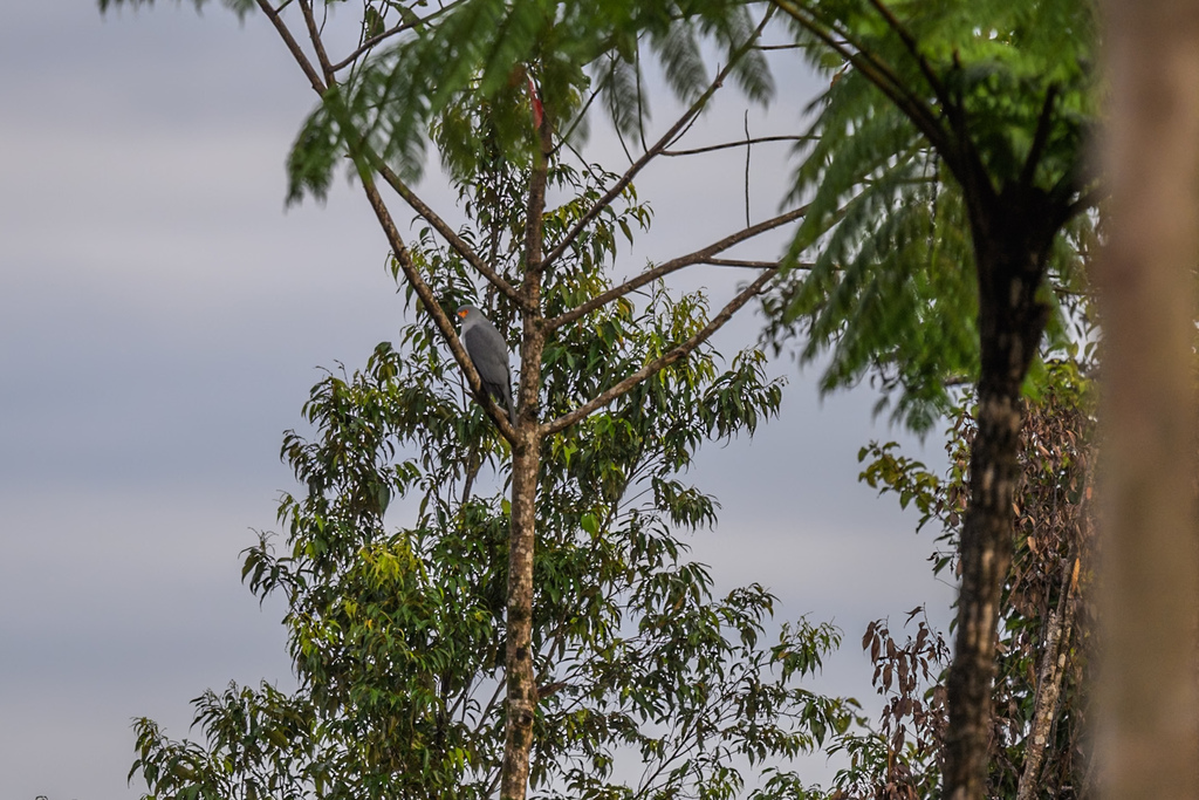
x: 488, y: 351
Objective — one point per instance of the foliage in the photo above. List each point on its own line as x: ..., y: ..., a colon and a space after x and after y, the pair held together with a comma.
x: 930, y: 109
x: 503, y: 59
x: 397, y: 630
x: 1045, y: 624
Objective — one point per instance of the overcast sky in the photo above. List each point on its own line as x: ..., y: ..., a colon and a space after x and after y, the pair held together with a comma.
x: 162, y: 317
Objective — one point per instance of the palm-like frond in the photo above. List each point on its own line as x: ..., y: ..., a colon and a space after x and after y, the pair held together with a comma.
x: 486, y: 52
x: 922, y: 96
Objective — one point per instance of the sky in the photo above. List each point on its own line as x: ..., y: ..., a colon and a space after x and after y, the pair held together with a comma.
x: 162, y: 317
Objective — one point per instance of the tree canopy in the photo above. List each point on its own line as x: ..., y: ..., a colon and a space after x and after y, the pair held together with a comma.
x: 396, y: 618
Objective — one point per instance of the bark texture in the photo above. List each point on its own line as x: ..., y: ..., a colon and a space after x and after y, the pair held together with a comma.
x: 1050, y: 674
x: 1147, y: 742
x: 521, y: 689
x: 526, y: 461
x: 1011, y: 236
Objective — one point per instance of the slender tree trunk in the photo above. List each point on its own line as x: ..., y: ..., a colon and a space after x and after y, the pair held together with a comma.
x: 1147, y: 742
x: 1050, y: 674
x: 1010, y: 325
x: 526, y: 461
x: 522, y: 689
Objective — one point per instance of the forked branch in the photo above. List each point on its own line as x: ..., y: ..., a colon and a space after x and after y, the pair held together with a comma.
x: 293, y: 46
x: 706, y: 255
x: 456, y: 242
x: 674, y: 354
x: 877, y: 72
x: 658, y: 147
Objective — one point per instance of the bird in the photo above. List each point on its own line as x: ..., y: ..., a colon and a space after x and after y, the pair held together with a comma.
x: 488, y: 351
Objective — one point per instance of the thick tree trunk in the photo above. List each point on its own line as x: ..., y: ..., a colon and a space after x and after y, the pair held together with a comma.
x: 1010, y: 325
x: 1147, y: 742
x: 986, y: 555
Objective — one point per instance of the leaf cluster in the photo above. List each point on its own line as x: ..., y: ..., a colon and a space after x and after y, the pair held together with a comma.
x: 937, y: 116
x: 505, y: 64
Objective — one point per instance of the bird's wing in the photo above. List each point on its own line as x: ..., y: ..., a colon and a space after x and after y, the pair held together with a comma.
x: 489, y: 352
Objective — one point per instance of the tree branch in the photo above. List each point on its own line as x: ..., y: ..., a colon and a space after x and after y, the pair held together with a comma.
x: 748, y: 150
x: 878, y: 74
x: 318, y: 44
x: 297, y: 52
x: 443, y: 228
x: 1086, y: 199
x: 1049, y: 681
x: 370, y: 43
x: 578, y: 120
x: 425, y: 293
x: 703, y: 256
x: 741, y: 143
x: 741, y: 263
x: 679, y: 352
x: 1040, y: 138
x: 665, y: 141
x: 909, y: 41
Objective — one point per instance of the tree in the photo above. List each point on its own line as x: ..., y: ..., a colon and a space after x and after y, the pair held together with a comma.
x: 1148, y: 735
x: 491, y: 82
x: 398, y: 634
x: 1037, y: 742
x: 946, y: 171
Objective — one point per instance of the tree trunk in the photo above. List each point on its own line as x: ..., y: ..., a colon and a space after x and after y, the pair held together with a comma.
x: 1051, y: 672
x: 1147, y: 741
x: 1010, y: 264
x: 526, y: 461
x: 522, y: 688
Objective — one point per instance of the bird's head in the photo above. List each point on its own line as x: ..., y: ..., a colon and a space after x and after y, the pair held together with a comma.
x: 465, y: 311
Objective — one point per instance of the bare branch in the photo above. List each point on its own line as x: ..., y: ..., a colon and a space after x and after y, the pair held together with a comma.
x: 370, y: 43
x: 578, y: 120
x: 741, y: 143
x: 675, y: 354
x: 703, y: 256
x: 748, y: 150
x: 443, y: 228
x: 318, y: 44
x: 665, y: 141
x: 736, y: 262
x: 297, y: 52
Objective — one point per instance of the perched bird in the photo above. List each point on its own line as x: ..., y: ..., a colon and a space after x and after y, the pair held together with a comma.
x: 488, y: 351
